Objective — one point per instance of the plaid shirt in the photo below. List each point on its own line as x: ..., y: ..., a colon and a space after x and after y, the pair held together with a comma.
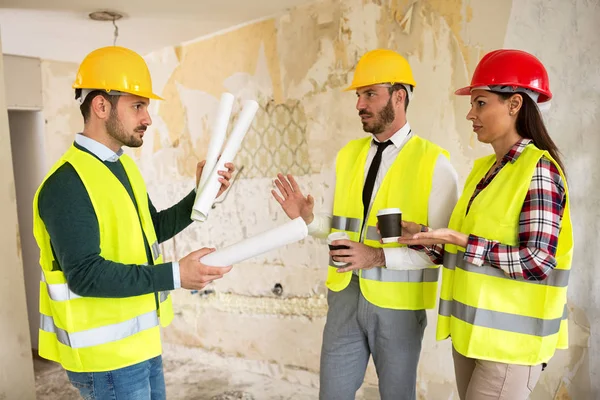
x: 539, y: 225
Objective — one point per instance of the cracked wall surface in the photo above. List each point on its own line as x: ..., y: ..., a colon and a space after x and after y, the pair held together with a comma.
x: 16, y: 376
x: 296, y: 66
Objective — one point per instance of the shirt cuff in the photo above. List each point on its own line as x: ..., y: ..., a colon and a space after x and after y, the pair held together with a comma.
x: 388, y: 258
x: 176, y: 275
x: 477, y: 250
x: 314, y: 226
x: 435, y: 252
x: 405, y: 259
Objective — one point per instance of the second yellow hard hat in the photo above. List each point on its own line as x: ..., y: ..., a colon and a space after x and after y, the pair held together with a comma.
x: 381, y: 66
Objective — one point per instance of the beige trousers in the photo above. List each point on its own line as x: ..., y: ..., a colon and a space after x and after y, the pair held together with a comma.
x: 487, y: 380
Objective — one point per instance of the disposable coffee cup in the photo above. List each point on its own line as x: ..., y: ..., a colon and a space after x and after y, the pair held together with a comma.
x: 390, y: 227
x: 337, y: 236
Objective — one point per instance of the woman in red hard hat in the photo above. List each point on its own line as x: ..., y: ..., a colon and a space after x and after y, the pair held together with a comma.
x: 509, y: 245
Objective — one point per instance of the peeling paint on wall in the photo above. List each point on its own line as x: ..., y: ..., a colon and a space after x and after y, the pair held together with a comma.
x: 60, y: 110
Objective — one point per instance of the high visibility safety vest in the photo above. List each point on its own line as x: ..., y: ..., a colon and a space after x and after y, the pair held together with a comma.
x: 406, y: 185
x: 489, y: 315
x: 88, y: 334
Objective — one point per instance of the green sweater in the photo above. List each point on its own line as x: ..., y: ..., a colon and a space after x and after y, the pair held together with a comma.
x: 66, y: 209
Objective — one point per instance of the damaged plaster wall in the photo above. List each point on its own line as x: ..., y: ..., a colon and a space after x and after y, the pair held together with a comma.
x: 297, y: 66
x: 62, y: 118
x: 16, y: 367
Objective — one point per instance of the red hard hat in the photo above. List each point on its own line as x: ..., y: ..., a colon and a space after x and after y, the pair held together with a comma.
x: 514, y: 68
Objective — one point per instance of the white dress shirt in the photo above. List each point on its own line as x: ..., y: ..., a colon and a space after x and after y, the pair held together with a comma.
x: 442, y: 199
x: 106, y: 154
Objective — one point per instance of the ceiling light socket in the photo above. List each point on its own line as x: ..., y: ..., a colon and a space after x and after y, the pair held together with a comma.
x: 105, y: 16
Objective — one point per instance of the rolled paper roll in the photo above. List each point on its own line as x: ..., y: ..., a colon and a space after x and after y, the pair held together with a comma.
x: 219, y: 130
x: 288, y: 233
x: 217, y: 138
x: 209, y: 191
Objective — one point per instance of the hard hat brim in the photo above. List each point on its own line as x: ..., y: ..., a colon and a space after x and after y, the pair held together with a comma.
x: 148, y: 95
x: 466, y: 91
x: 354, y: 86
x: 544, y: 96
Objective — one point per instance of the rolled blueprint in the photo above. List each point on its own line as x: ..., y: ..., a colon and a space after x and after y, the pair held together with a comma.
x: 208, y: 192
x: 217, y: 138
x: 288, y: 233
x: 219, y: 130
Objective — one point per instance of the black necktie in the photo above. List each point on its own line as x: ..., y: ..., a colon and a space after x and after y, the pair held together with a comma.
x: 371, y: 175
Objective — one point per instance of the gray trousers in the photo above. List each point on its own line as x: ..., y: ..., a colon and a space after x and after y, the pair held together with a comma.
x: 356, y: 329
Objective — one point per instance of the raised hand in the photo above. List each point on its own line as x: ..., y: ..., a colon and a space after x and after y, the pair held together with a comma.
x: 291, y: 199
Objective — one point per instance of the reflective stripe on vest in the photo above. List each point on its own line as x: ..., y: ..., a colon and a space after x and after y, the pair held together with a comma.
x: 345, y: 224
x: 62, y: 292
x: 59, y: 291
x: 101, y: 335
x: 500, y: 320
x: 164, y: 295
x: 393, y: 275
x: 557, y: 277
x: 155, y: 250
x: 372, y: 234
x: 353, y: 225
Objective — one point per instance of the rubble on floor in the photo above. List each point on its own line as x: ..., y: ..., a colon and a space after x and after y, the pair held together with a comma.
x: 195, y: 374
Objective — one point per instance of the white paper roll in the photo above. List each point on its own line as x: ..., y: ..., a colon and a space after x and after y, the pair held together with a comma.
x: 209, y: 191
x: 219, y: 131
x: 288, y: 233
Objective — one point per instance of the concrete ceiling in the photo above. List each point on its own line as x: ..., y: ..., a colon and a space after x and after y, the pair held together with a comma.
x: 61, y: 29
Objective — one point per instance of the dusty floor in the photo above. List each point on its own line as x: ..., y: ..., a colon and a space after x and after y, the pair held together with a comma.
x: 199, y: 375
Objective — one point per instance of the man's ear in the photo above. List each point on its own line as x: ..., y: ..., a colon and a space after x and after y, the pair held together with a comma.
x: 400, y: 96
x: 100, y: 107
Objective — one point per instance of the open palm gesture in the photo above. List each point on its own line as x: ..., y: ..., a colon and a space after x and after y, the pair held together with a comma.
x: 291, y: 199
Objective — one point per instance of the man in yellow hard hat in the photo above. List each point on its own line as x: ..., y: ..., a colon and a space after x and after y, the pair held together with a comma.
x: 105, y: 288
x: 377, y: 301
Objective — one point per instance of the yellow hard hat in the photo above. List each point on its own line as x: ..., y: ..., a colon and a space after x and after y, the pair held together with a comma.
x: 381, y: 66
x: 115, y: 68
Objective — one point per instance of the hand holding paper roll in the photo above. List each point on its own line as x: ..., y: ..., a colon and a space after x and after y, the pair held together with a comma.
x: 208, y: 190
x: 224, y: 176
x: 196, y: 275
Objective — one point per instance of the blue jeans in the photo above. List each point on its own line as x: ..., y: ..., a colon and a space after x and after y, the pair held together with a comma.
x: 143, y: 381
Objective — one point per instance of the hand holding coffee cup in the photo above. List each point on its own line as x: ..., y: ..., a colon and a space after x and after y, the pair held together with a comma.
x: 389, y: 221
x: 332, y: 238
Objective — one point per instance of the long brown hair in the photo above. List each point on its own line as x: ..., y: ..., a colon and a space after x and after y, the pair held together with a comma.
x: 530, y: 125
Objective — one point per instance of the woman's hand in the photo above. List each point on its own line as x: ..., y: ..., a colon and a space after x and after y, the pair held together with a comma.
x: 436, y: 236
x: 409, y: 229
